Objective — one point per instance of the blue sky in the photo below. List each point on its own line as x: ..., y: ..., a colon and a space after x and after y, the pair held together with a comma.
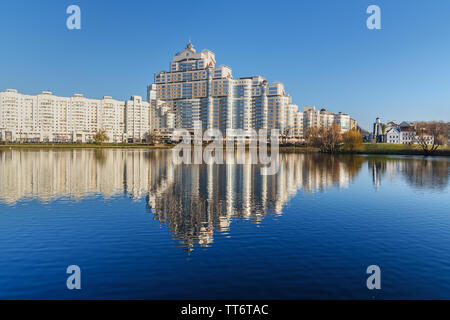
x: 321, y: 50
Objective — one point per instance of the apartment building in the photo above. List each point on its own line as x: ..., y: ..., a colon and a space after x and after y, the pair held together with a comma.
x: 323, y: 118
x: 162, y: 118
x: 48, y: 118
x: 138, y: 119
x: 196, y: 92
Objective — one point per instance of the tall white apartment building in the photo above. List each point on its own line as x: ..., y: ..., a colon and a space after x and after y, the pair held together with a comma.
x: 162, y: 118
x: 49, y: 118
x: 195, y: 91
x: 198, y: 92
x: 137, y: 119
x: 323, y: 118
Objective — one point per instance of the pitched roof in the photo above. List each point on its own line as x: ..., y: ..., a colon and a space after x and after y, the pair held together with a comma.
x: 405, y: 124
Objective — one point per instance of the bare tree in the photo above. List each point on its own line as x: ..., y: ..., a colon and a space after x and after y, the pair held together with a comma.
x: 327, y: 139
x: 151, y: 136
x: 430, y: 135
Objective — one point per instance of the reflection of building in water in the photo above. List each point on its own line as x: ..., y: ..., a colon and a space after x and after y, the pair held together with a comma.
x: 418, y: 172
x: 50, y: 174
x: 377, y: 171
x: 194, y: 200
x: 200, y: 198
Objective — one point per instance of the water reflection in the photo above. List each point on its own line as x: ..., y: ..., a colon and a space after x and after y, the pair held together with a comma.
x: 195, y: 200
x: 419, y: 172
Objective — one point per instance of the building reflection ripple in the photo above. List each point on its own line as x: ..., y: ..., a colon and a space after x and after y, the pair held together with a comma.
x: 194, y: 200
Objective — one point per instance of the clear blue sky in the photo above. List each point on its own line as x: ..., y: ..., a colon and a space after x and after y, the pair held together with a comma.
x: 321, y: 50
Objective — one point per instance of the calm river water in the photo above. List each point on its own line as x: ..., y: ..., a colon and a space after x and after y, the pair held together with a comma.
x: 142, y: 227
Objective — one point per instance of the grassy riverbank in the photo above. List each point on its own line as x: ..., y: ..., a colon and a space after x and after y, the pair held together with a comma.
x: 366, y: 148
x: 128, y: 145
x: 396, y: 149
x: 286, y: 149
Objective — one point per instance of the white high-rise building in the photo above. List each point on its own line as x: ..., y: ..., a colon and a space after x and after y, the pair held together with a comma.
x: 137, y: 119
x: 49, y: 118
x: 195, y: 91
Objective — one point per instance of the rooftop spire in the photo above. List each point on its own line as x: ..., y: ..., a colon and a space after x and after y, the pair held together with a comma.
x: 189, y: 45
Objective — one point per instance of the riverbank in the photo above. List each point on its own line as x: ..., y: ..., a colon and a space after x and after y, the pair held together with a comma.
x: 82, y: 145
x: 366, y: 148
x: 395, y: 149
x: 288, y: 149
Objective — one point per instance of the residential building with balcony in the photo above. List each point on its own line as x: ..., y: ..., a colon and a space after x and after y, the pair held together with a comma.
x: 48, y: 118
x: 196, y: 91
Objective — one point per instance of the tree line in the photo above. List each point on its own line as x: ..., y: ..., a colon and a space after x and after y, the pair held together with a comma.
x: 430, y: 135
x: 330, y: 139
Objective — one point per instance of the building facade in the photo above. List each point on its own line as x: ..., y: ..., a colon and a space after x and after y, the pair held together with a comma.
x: 323, y: 118
x: 198, y: 94
x: 49, y: 118
x: 393, y: 135
x: 403, y: 133
x: 194, y: 93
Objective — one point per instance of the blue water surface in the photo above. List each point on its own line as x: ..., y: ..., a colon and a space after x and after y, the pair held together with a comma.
x: 140, y: 227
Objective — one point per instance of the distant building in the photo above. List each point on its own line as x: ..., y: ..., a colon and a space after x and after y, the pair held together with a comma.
x: 392, y: 135
x: 404, y: 133
x: 324, y: 118
x: 407, y: 133
x: 391, y: 124
x: 377, y: 130
x: 378, y: 134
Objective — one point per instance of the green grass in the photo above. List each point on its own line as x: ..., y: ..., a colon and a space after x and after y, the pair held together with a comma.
x: 400, y: 149
x: 297, y: 149
x: 366, y: 148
